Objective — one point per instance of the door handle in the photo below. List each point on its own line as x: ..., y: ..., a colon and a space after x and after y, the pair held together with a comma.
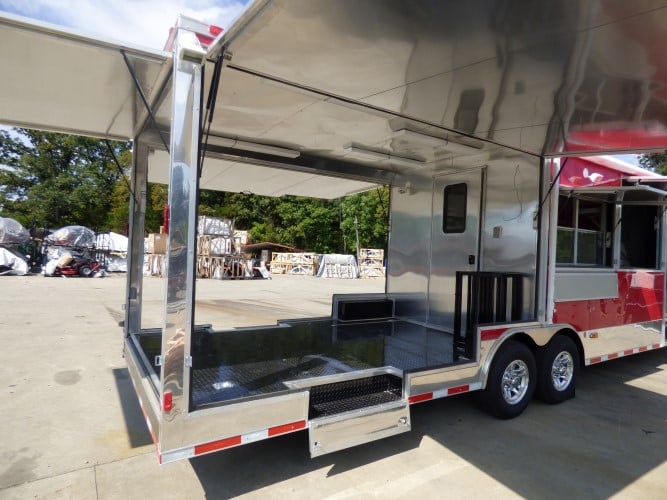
x: 471, y: 259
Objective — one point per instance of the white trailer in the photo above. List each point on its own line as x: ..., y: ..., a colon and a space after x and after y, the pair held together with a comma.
x: 514, y: 258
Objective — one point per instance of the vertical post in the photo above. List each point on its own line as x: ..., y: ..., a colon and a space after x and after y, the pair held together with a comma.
x: 458, y: 305
x: 180, y: 272
x: 135, y: 256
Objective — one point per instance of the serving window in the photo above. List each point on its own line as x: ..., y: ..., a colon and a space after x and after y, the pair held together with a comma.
x: 640, y: 227
x: 584, y: 234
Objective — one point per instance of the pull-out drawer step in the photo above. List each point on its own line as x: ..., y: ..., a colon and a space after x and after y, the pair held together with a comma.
x: 352, y: 412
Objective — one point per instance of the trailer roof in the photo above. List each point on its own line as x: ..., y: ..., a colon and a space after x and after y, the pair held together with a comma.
x: 367, y: 91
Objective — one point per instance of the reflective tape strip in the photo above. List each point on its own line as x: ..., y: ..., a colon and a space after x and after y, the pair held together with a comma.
x: 420, y: 397
x: 443, y: 393
x: 249, y: 437
x: 599, y: 359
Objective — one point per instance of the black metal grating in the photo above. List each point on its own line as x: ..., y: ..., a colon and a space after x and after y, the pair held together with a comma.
x: 340, y: 397
x: 224, y: 383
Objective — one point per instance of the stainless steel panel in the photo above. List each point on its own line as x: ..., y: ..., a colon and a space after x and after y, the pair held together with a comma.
x: 407, y: 254
x: 180, y: 272
x: 205, y: 426
x: 583, y: 285
x: 57, y: 79
x: 509, y: 235
x: 135, y: 256
x: 434, y: 380
x: 144, y: 388
x: 354, y: 428
x: 452, y: 252
x: 541, y: 77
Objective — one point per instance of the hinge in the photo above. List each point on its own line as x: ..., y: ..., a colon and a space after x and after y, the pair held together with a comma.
x: 158, y: 360
x: 188, y: 361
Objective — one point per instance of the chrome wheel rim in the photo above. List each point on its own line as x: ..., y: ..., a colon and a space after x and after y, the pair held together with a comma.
x: 515, y: 382
x: 562, y: 371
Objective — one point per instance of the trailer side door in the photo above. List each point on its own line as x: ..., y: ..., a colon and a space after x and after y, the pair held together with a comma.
x: 455, y: 236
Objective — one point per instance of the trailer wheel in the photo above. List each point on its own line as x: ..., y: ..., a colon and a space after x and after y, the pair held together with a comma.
x: 558, y: 367
x: 511, y: 382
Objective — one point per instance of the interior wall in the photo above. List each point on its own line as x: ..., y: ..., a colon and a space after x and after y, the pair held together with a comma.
x: 508, y: 234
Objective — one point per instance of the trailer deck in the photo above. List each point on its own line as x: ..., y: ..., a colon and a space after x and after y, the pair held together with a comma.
x: 246, y: 362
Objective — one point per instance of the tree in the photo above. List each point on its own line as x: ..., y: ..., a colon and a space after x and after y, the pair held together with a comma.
x: 371, y: 210
x: 656, y: 162
x: 53, y: 180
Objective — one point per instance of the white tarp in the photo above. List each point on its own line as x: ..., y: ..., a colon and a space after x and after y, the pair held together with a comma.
x: 337, y: 266
x: 12, y: 264
x: 72, y: 236
x: 111, y: 241
x: 114, y: 246
x: 12, y: 231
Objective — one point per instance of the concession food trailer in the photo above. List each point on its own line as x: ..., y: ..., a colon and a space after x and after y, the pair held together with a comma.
x: 516, y: 256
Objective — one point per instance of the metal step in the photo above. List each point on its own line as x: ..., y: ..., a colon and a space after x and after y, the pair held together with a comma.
x: 352, y: 412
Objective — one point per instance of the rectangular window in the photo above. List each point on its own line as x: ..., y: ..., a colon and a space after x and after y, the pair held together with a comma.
x: 584, y: 227
x: 454, y: 208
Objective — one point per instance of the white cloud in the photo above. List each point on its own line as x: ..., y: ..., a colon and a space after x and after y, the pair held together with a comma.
x: 141, y: 22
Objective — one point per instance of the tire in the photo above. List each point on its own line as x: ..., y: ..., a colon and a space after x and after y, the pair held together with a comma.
x: 511, y: 382
x: 85, y: 271
x: 558, y: 368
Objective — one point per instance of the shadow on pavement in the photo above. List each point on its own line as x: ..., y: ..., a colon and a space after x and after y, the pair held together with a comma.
x: 593, y: 446
x: 135, y: 423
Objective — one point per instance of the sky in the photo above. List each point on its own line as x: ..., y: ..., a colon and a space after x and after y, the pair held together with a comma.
x: 140, y: 22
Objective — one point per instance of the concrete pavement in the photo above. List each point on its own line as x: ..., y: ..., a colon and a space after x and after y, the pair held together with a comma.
x: 70, y: 425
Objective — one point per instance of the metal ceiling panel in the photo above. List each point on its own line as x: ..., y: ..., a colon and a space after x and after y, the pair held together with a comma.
x: 235, y: 177
x: 59, y: 80
x: 543, y: 76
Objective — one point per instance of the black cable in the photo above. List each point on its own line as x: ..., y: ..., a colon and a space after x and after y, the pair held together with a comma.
x: 143, y: 98
x: 380, y: 198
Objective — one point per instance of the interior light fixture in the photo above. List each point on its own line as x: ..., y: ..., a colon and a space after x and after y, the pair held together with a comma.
x: 380, y: 155
x: 256, y: 147
x: 433, y: 141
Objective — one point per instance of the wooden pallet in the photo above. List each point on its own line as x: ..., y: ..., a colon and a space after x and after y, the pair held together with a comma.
x: 371, y: 263
x: 293, y: 263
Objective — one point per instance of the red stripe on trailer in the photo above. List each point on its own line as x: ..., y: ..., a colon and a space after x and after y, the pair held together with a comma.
x: 282, y: 429
x: 458, y: 390
x: 420, y: 397
x: 620, y: 354
x: 229, y: 442
x: 492, y: 334
x: 217, y: 445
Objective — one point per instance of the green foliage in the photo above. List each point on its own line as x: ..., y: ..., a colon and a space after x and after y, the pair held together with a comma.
x: 53, y: 180
x: 656, y: 162
x: 371, y: 210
